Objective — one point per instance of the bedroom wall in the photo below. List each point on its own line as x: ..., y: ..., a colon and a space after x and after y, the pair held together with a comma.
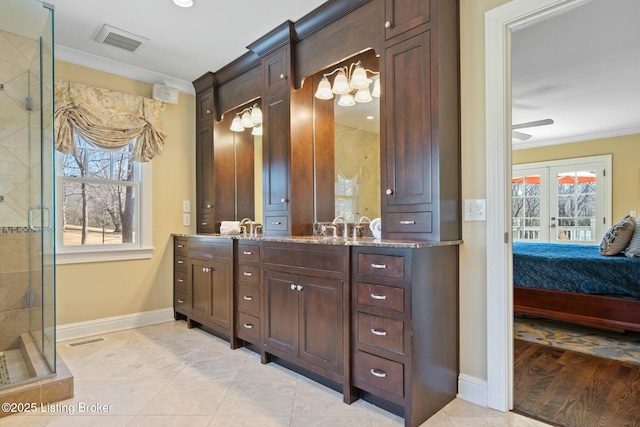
x: 99, y: 290
x: 625, y: 154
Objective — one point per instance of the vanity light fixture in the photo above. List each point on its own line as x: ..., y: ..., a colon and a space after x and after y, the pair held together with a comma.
x: 250, y: 117
x: 183, y: 3
x: 351, y: 83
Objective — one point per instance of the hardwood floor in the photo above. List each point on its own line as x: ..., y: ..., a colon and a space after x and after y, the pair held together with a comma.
x: 572, y: 389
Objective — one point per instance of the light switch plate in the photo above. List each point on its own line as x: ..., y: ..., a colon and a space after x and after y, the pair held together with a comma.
x: 186, y: 219
x: 186, y: 206
x: 475, y: 210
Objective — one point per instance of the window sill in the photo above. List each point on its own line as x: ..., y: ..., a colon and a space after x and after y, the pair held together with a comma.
x: 102, y: 255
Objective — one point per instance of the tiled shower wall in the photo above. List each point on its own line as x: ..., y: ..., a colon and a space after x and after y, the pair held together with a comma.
x: 16, y: 55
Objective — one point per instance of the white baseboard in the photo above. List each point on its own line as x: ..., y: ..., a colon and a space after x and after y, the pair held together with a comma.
x: 77, y: 330
x: 473, y: 390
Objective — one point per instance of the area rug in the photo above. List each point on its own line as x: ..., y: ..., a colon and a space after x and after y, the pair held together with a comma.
x: 4, y: 370
x: 624, y: 347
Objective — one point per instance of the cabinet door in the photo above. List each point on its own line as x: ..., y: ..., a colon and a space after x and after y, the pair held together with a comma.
x: 275, y: 164
x: 204, y: 107
x: 204, y: 178
x: 321, y: 322
x: 281, y: 325
x: 200, y: 287
x: 220, y: 295
x: 403, y: 15
x: 408, y: 146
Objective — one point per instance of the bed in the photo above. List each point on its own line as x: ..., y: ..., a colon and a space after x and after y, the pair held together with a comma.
x: 574, y: 283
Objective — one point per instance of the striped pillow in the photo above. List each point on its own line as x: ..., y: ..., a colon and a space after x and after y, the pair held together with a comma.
x: 633, y: 250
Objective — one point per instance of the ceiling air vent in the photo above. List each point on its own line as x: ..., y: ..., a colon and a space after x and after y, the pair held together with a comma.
x: 120, y: 38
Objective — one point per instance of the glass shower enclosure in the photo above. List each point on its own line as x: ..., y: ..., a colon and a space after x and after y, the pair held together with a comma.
x: 27, y: 237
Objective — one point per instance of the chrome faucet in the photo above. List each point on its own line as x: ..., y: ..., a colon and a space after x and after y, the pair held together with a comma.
x: 244, y: 223
x: 364, y: 218
x: 345, y: 231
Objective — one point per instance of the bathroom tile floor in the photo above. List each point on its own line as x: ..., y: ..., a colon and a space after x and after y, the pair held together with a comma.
x: 168, y: 375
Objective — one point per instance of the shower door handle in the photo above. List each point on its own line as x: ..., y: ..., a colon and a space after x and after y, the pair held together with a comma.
x: 43, y: 209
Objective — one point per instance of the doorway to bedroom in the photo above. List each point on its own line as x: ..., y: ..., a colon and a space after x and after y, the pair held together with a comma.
x: 561, y: 193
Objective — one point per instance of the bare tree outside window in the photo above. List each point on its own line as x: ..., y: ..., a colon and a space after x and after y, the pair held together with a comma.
x: 99, y: 189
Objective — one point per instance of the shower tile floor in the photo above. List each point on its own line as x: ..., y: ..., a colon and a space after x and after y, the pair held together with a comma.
x: 16, y: 366
x: 169, y: 375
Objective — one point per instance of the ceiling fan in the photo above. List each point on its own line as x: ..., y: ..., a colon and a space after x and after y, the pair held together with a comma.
x: 524, y: 136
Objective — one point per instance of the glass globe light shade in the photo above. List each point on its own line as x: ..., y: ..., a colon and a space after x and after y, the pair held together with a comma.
x: 236, y: 124
x: 346, y: 100
x: 340, y: 84
x: 246, y: 120
x: 363, y: 95
x: 256, y: 115
x: 359, y: 79
x: 324, y: 89
x: 257, y: 130
x: 376, y: 88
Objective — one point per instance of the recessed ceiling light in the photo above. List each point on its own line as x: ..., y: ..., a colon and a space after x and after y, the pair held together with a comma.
x: 183, y: 3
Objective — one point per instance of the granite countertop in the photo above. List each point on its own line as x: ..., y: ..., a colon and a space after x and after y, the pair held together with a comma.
x: 360, y: 241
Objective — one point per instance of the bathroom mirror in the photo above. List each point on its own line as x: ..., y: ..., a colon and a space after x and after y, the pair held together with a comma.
x: 347, y: 144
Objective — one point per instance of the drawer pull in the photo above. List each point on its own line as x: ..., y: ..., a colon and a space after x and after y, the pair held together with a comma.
x: 378, y: 373
x: 247, y: 253
x: 180, y: 280
x: 180, y: 261
x: 299, y: 287
x: 407, y: 222
x: 247, y: 298
x: 378, y: 332
x: 276, y: 223
x: 293, y: 287
x: 206, y: 269
x: 181, y: 246
x: 246, y: 273
x: 180, y: 301
x: 205, y: 223
x: 381, y: 297
x: 248, y: 326
x: 381, y: 266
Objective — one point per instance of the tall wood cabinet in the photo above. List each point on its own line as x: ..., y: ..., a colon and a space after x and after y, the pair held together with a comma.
x: 420, y: 153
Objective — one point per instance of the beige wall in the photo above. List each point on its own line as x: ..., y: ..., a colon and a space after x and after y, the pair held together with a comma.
x: 97, y: 290
x: 625, y: 152
x: 473, y: 257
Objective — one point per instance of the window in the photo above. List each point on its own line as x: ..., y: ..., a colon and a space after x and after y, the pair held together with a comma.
x: 102, y: 198
x: 563, y: 201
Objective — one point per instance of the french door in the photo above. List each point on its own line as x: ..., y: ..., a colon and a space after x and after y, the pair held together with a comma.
x: 562, y: 201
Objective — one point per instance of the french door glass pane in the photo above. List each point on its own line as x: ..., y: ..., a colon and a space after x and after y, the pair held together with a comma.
x: 526, y: 207
x: 576, y: 204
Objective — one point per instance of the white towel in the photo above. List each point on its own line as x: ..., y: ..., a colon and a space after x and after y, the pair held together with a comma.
x: 376, y: 228
x: 230, y: 227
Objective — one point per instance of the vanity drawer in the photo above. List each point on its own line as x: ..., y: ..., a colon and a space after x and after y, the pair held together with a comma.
x: 180, y: 301
x: 276, y: 223
x: 381, y: 265
x: 180, y: 247
x: 248, y: 327
x: 180, y: 263
x: 381, y: 296
x: 249, y: 273
x: 381, y: 332
x: 210, y: 248
x: 378, y: 372
x: 248, y: 253
x: 413, y: 222
x: 180, y: 281
x: 248, y: 298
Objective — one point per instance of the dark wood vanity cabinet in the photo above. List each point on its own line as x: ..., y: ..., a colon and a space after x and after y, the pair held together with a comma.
x: 205, y: 115
x: 420, y: 152
x: 306, y: 308
x: 404, y: 15
x: 180, y: 278
x: 210, y: 284
x: 404, y: 320
x: 248, y: 292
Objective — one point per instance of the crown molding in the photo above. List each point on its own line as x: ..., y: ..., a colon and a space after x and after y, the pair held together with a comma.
x: 79, y: 57
x: 577, y: 138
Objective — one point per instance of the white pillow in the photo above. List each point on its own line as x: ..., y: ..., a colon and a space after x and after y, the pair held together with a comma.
x: 633, y: 250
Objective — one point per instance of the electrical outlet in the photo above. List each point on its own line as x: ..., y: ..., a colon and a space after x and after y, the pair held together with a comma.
x: 186, y: 219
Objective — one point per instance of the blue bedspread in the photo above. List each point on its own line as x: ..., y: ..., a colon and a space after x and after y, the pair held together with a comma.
x: 574, y: 268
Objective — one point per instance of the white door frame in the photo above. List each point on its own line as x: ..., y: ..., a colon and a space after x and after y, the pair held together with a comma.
x: 499, y: 23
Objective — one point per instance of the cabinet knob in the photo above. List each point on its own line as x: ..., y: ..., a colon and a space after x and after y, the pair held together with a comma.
x: 248, y: 326
x: 282, y: 76
x: 247, y: 298
x: 378, y: 332
x: 293, y: 287
x: 299, y: 287
x: 378, y: 373
x: 208, y: 111
x: 389, y: 192
x: 388, y: 24
x: 206, y: 269
x: 208, y: 206
x: 283, y: 200
x: 180, y: 301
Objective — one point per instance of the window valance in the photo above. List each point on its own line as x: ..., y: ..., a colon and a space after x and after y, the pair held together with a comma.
x: 107, y: 119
